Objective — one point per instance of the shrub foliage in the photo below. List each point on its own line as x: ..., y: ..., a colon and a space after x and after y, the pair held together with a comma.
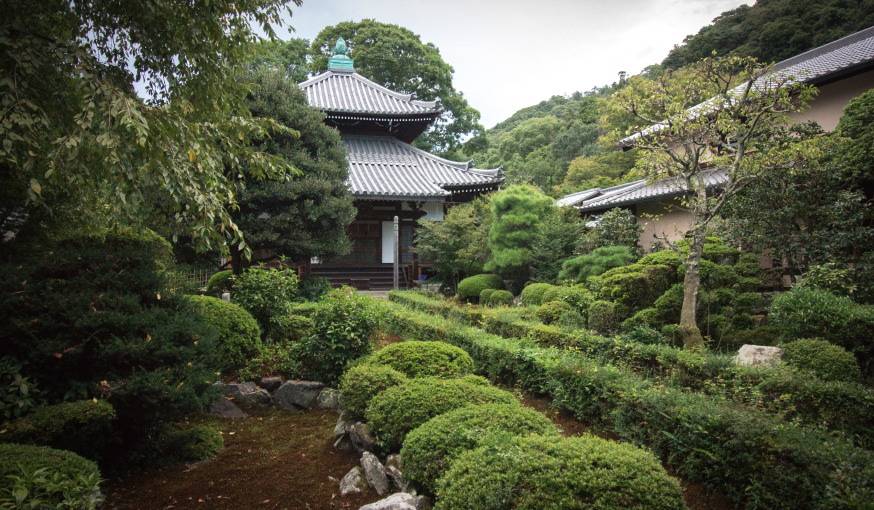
x: 420, y: 359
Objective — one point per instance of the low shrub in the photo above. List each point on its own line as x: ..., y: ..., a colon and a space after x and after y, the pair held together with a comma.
x: 274, y: 359
x: 421, y: 359
x: 603, y: 317
x: 312, y: 288
x: 83, y: 427
x: 290, y: 327
x: 430, y: 448
x: 500, y: 298
x: 42, y: 477
x: 220, y: 282
x: 532, y: 294
x: 342, y: 327
x: 645, y: 335
x: 238, y: 337
x: 551, y: 311
x: 191, y: 443
x: 265, y: 292
x: 18, y: 395
x: 635, y: 286
x: 546, y: 473
x: 578, y: 269
x: 400, y: 409
x: 470, y: 288
x: 485, y: 296
x: 364, y: 381
x: 828, y: 361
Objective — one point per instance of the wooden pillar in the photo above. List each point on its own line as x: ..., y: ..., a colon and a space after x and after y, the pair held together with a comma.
x: 397, y: 253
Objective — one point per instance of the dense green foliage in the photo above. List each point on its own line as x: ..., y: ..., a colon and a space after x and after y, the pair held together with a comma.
x: 581, y: 267
x: 220, y: 282
x: 558, y: 237
x: 500, y: 298
x: 265, y: 293
x: 430, y: 448
x: 458, y: 245
x: 364, y: 381
x: 532, y: 294
x: 343, y: 324
x: 51, y: 478
x: 421, y: 359
x: 375, y: 48
x: 238, y: 337
x: 191, y: 443
x: 400, y: 409
x: 471, y: 287
x: 305, y: 214
x: 773, y: 30
x: 828, y: 361
x: 615, y: 227
x: 542, y: 472
x: 83, y: 427
x: 551, y: 311
x: 517, y: 215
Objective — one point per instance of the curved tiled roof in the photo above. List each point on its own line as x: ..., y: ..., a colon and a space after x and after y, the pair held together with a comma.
x: 385, y: 167
x: 349, y: 92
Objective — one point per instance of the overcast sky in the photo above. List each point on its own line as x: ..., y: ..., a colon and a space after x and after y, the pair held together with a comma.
x: 510, y: 54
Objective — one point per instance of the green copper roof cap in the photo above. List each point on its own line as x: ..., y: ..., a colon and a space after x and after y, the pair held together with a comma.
x: 340, y: 62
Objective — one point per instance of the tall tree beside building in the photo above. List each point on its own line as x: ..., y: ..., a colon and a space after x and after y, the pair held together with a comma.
x: 296, y: 216
x: 397, y: 58
x: 739, y: 130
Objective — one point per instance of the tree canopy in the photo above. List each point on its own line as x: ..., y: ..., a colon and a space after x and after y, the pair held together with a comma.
x: 397, y: 58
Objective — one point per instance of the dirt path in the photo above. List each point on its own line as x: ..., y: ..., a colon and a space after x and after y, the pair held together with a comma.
x: 278, y: 460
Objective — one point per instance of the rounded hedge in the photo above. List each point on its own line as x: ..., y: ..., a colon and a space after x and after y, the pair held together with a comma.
x: 501, y: 298
x: 192, y: 444
x: 532, y: 294
x: 220, y: 282
x: 400, y: 409
x: 552, y: 311
x: 70, y: 481
x: 486, y: 295
x: 471, y: 287
x: 363, y: 382
x: 419, y: 359
x: 549, y: 473
x: 83, y: 427
x: 827, y: 360
x: 603, y: 317
x: 238, y: 333
x: 430, y: 448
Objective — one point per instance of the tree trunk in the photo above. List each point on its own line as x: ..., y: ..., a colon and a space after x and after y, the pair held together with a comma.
x: 236, y: 260
x: 689, y: 331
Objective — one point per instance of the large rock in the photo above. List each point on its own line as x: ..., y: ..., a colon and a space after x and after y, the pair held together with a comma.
x: 353, y: 482
x: 374, y: 473
x: 758, y: 356
x: 224, y: 408
x: 270, y: 383
x: 296, y: 395
x: 362, y: 439
x: 245, y: 393
x: 328, y: 398
x: 395, y: 460
x: 397, y: 478
x: 397, y: 501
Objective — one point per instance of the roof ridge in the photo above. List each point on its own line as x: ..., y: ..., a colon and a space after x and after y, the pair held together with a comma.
x: 400, y: 95
x: 460, y: 165
x: 823, y: 49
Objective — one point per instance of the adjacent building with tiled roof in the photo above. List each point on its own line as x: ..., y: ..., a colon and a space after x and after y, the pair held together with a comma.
x: 841, y: 70
x: 388, y: 176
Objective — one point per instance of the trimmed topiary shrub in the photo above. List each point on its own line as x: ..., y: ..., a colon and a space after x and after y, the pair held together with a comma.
x: 238, y: 337
x: 828, y: 361
x: 265, y: 292
x: 501, y: 298
x: 551, y: 311
x: 363, y: 382
x: 578, y: 269
x: 192, y: 444
x: 290, y: 327
x: 400, y: 409
x: 603, y: 317
x: 532, y: 294
x: 83, y: 427
x: 55, y: 478
x: 471, y: 287
x: 485, y: 296
x: 220, y: 282
x: 430, y: 448
x: 547, y: 473
x: 421, y: 359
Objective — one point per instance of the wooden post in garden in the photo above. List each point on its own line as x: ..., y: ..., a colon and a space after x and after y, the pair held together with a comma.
x: 397, y: 254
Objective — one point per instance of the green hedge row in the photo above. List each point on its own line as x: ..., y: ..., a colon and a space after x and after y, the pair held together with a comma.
x: 836, y: 405
x: 752, y: 457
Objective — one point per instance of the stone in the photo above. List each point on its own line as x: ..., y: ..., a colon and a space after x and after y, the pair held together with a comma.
x: 295, y: 395
x: 353, y: 482
x: 342, y: 427
x: 343, y: 443
x: 328, y: 398
x: 270, y: 383
x: 395, y: 460
x: 424, y: 503
x: 758, y: 356
x: 374, y: 473
x: 245, y: 393
x: 397, y: 501
x: 226, y: 296
x: 397, y: 478
x: 362, y: 439
x: 225, y: 408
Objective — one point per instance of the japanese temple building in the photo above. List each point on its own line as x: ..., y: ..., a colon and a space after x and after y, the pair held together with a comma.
x: 388, y: 176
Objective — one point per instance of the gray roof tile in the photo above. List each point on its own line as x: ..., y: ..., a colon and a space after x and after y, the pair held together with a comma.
x: 345, y: 92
